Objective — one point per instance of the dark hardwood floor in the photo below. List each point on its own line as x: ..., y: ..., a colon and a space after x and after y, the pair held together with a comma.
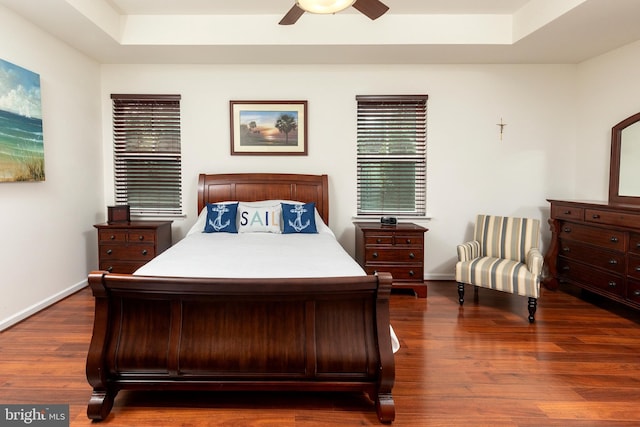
x: 483, y: 364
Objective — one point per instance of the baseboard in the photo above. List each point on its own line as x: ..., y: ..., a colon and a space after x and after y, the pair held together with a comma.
x: 30, y: 311
x: 440, y: 276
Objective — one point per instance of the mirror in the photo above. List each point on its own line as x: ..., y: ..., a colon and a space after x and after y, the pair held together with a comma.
x: 624, y: 178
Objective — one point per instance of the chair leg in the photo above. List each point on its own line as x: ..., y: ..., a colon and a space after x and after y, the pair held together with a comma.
x: 533, y: 305
x: 461, y: 293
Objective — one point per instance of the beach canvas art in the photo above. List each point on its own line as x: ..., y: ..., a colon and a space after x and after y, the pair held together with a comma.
x: 21, y: 142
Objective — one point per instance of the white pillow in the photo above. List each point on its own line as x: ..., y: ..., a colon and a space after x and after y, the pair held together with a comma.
x: 259, y: 219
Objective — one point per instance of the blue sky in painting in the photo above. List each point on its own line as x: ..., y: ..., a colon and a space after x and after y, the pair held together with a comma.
x: 264, y: 118
x: 19, y: 90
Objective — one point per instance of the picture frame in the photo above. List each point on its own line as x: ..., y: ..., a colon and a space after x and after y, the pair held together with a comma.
x: 268, y: 128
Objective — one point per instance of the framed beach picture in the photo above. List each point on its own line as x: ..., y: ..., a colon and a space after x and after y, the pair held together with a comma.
x: 269, y: 127
x: 21, y: 142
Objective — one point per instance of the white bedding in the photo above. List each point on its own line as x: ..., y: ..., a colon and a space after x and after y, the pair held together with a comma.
x: 256, y: 255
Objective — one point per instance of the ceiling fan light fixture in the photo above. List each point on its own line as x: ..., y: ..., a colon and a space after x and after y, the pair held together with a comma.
x: 324, y: 6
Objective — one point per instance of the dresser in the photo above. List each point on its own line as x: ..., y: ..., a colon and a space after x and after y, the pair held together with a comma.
x: 397, y: 249
x: 124, y: 247
x: 595, y: 246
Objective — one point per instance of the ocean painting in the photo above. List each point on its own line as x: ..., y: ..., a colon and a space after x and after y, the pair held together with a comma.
x: 21, y: 142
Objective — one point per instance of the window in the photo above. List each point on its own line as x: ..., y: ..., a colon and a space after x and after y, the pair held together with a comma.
x: 147, y: 158
x: 392, y: 155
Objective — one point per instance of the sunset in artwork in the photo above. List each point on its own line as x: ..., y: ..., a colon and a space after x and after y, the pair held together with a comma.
x: 273, y: 128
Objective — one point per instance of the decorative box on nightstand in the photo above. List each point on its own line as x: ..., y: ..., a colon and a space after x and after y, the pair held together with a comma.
x: 124, y: 247
x: 397, y: 249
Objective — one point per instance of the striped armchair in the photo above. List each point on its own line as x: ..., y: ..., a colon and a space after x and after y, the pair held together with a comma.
x: 505, y: 256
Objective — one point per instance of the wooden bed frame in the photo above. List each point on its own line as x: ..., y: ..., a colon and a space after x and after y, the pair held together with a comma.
x: 309, y: 334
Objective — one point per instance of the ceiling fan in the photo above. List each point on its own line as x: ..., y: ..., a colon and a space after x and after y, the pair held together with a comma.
x: 373, y: 9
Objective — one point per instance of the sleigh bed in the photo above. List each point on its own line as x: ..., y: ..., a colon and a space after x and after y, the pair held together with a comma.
x: 320, y: 332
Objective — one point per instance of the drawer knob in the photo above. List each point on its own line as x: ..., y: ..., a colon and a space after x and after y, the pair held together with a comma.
x: 567, y: 229
x: 567, y: 212
x: 375, y: 255
x: 638, y: 245
x: 378, y: 240
x: 144, y: 252
x: 614, y: 239
x: 412, y: 273
x: 141, y: 237
x: 636, y: 293
x: 638, y: 268
x: 566, y: 249
x: 613, y: 262
x: 110, y: 269
x: 109, y: 251
x: 565, y: 268
x: 412, y: 255
x: 112, y: 237
x: 408, y: 241
x: 595, y: 216
x: 612, y: 284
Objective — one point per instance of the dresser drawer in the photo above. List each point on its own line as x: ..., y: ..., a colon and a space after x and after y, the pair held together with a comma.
x: 383, y: 254
x: 605, y: 259
x: 633, y: 266
x: 127, y: 252
x: 591, y: 277
x: 606, y: 238
x: 621, y: 219
x: 566, y: 212
x: 634, y: 243
x: 633, y: 291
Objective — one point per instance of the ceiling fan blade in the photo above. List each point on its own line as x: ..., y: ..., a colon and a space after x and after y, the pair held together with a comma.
x: 292, y: 16
x: 374, y: 9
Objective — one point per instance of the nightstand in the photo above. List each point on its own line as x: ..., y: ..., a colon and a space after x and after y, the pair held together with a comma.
x: 397, y: 249
x: 124, y: 247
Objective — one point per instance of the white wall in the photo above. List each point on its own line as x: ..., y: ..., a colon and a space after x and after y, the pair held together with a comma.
x: 47, y: 245
x: 470, y: 169
x: 609, y: 92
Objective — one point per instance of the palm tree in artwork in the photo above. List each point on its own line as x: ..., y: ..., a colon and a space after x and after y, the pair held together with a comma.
x: 285, y: 124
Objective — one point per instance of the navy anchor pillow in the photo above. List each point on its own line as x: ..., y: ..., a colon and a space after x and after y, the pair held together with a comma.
x: 221, y: 217
x: 299, y: 218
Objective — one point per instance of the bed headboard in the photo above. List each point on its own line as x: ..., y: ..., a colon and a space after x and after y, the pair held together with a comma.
x: 251, y: 187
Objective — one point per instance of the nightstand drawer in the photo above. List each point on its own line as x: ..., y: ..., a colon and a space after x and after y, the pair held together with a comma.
x: 370, y: 240
x: 408, y: 240
x: 120, y: 266
x: 405, y: 273
x: 127, y: 252
x: 119, y: 236
x: 382, y: 254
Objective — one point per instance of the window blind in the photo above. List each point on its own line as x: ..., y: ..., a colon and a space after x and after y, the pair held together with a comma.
x: 147, y: 154
x: 391, y: 144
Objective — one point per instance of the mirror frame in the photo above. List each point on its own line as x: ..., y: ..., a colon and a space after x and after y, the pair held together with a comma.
x: 614, y: 170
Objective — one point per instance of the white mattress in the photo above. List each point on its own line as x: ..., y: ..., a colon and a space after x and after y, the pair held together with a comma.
x: 256, y: 255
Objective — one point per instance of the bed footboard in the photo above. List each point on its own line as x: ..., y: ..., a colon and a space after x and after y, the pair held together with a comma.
x: 325, y: 334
